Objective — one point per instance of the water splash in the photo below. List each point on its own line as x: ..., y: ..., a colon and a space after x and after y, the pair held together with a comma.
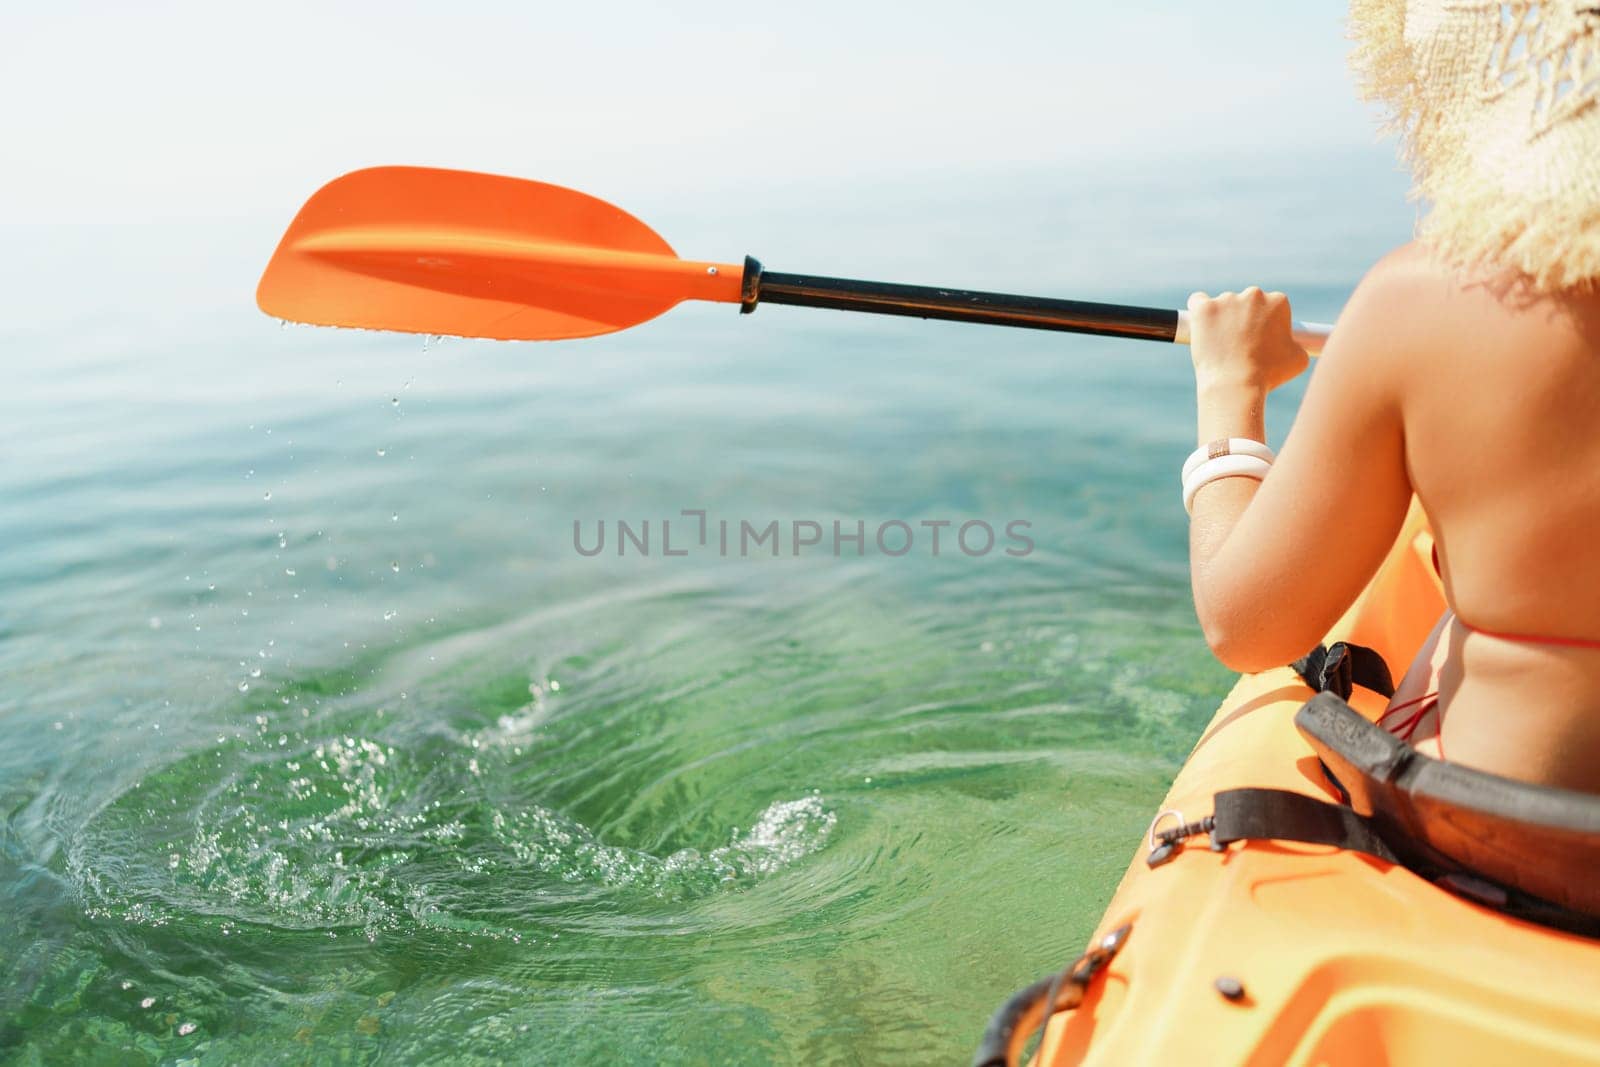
x: 361, y: 834
x: 783, y: 834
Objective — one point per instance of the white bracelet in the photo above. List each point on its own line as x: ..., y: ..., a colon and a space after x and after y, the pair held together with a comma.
x: 1226, y: 446
x: 1228, y: 466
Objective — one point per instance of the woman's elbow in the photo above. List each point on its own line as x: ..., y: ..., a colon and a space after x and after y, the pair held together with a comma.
x: 1250, y: 645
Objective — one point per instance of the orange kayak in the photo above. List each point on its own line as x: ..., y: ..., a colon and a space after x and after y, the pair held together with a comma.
x: 1273, y: 953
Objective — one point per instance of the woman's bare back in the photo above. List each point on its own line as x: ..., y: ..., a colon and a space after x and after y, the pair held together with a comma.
x: 1501, y: 408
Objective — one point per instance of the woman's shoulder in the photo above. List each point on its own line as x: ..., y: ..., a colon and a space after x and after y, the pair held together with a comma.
x: 1400, y: 304
x: 1421, y: 278
x: 1415, y: 320
x: 1411, y: 304
x: 1412, y: 269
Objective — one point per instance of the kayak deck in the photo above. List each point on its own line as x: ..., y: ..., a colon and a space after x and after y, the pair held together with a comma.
x: 1342, y: 958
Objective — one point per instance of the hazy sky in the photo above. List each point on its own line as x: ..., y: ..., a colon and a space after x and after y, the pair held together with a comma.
x: 169, y: 111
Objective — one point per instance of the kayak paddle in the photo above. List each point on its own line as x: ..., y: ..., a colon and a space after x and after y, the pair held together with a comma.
x: 431, y: 251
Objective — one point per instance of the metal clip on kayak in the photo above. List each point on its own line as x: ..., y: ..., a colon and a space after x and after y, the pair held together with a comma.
x: 1165, y: 844
x: 1009, y: 1027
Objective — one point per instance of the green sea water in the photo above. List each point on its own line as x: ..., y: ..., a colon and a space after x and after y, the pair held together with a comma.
x: 321, y: 741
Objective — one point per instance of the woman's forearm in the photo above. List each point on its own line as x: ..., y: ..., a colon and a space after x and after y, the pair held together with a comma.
x: 1224, y: 411
x: 1233, y: 410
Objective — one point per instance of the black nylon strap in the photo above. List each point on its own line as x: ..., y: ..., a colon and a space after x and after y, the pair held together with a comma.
x: 1340, y: 667
x: 1279, y: 815
x: 1268, y: 814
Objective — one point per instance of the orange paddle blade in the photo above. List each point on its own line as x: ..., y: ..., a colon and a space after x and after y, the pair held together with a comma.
x: 476, y: 255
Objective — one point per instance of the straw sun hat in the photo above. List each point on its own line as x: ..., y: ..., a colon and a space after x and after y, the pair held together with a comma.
x: 1498, y: 107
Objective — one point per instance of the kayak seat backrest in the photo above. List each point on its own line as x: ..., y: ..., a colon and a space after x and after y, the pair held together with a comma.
x: 1436, y: 815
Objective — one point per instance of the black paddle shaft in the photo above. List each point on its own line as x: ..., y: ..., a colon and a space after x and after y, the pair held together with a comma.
x: 959, y: 305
